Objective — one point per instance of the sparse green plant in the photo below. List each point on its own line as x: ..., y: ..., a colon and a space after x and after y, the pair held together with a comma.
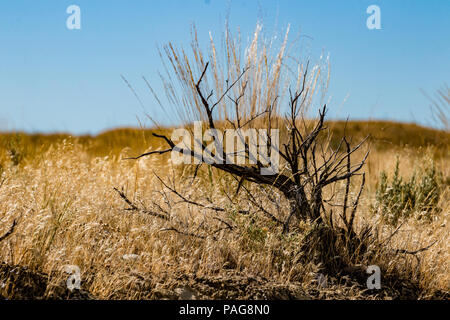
x: 399, y: 199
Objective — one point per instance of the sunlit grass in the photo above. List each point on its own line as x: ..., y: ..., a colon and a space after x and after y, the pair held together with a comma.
x: 60, y: 190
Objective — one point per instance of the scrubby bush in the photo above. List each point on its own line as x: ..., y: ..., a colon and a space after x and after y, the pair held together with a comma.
x: 417, y: 197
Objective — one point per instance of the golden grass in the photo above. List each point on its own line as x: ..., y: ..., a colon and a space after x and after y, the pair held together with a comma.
x: 61, y: 193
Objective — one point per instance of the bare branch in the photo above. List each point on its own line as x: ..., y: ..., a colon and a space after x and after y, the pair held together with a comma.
x: 355, y: 204
x: 184, y: 233
x: 133, y: 207
x: 416, y: 251
x: 149, y: 154
x: 9, y: 232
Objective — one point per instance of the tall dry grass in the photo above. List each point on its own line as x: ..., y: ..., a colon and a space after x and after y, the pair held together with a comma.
x: 69, y: 214
x: 440, y: 106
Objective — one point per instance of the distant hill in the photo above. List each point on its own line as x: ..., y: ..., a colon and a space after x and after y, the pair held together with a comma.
x: 382, y: 135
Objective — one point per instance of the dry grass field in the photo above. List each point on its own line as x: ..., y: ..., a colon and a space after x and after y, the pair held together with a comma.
x: 60, y: 192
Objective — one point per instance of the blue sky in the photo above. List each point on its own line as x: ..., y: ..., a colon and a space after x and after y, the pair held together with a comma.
x: 56, y: 79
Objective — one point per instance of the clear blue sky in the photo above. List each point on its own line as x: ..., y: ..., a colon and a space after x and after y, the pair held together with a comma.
x: 55, y: 79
